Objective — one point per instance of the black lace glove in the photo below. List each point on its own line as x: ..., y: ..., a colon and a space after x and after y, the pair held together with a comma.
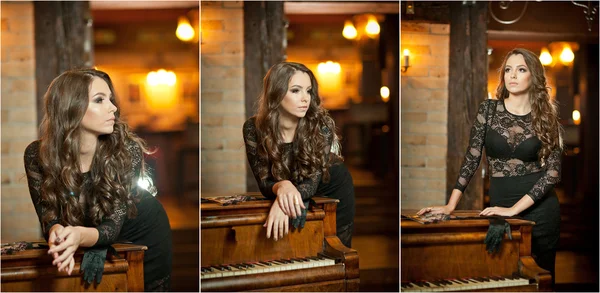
x: 92, y: 264
x: 299, y: 221
x: 495, y: 234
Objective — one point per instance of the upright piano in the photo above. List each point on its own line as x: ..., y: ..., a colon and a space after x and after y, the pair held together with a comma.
x: 237, y: 256
x: 451, y: 256
x: 32, y: 270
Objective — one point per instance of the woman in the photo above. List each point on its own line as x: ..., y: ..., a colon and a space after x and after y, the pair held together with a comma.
x: 83, y: 178
x: 522, y: 137
x: 294, y: 152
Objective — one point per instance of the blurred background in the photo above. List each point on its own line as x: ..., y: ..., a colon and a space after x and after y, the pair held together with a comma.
x: 436, y: 84
x: 352, y: 47
x: 151, y: 52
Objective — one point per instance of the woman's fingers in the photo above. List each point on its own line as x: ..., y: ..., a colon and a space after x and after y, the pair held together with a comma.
x: 292, y: 207
x: 71, y: 265
x: 269, y: 226
x: 65, y: 264
x: 62, y: 235
x: 297, y: 205
x: 280, y: 230
x: 63, y: 257
x: 287, y: 225
x: 283, y: 205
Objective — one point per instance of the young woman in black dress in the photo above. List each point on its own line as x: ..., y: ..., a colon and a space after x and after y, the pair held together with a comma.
x: 83, y: 177
x: 294, y: 152
x: 523, y: 144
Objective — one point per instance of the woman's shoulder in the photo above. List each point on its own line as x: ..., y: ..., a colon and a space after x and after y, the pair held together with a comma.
x: 250, y: 123
x: 249, y: 127
x: 33, y: 149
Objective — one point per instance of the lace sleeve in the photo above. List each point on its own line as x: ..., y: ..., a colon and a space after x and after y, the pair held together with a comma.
x: 250, y: 140
x: 550, y: 178
x: 475, y: 148
x: 110, y: 227
x: 33, y: 171
x: 308, y: 187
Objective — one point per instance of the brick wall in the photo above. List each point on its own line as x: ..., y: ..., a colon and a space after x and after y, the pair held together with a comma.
x: 424, y: 114
x: 19, y: 127
x: 222, y: 108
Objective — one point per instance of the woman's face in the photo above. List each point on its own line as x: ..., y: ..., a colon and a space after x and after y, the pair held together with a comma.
x: 297, y: 98
x: 99, y: 117
x: 517, y: 77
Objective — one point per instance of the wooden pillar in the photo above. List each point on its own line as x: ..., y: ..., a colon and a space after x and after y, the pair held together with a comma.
x: 62, y: 41
x: 467, y: 88
x: 264, y: 46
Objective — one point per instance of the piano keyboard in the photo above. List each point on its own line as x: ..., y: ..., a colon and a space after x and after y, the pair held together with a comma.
x: 219, y: 271
x: 463, y: 284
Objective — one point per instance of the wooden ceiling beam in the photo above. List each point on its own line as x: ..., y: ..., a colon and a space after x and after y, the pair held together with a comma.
x: 340, y: 7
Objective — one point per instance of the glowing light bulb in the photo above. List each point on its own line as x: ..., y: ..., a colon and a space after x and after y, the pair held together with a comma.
x: 567, y: 56
x: 161, y: 77
x: 372, y: 27
x: 349, y: 31
x: 545, y: 57
x: 185, y: 31
x: 576, y: 117
x: 385, y: 94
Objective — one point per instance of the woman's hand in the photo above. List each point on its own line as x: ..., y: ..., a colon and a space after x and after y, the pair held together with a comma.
x: 436, y: 210
x: 66, y: 240
x: 498, y: 211
x: 277, y: 221
x: 289, y: 198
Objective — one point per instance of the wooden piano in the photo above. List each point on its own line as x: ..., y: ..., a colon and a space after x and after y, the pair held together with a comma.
x: 32, y: 270
x: 237, y: 256
x: 451, y: 256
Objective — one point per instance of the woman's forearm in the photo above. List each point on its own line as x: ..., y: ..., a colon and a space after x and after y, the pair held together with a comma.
x: 454, y: 198
x: 89, y: 236
x: 524, y: 203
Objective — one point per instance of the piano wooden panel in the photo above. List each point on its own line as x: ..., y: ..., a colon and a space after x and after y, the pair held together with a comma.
x: 32, y: 270
x: 456, y: 248
x: 235, y: 234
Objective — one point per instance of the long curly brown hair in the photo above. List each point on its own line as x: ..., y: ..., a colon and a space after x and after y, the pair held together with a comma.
x: 544, y: 110
x: 66, y: 103
x: 310, y: 145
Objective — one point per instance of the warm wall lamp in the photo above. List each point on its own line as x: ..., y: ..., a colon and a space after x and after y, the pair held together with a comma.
x: 406, y: 65
x: 362, y: 26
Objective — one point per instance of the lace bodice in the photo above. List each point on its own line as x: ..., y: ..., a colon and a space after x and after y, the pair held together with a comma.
x: 511, y: 148
x: 307, y: 187
x: 110, y: 227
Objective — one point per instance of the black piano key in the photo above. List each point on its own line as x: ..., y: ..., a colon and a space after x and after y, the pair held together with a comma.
x: 220, y: 268
x: 203, y: 270
x: 266, y: 263
x: 249, y: 265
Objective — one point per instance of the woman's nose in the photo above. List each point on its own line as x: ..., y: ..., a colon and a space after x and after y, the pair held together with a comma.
x: 112, y: 108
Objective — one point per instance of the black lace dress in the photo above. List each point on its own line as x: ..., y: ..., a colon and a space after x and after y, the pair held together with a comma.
x: 150, y: 227
x: 340, y: 185
x: 515, y: 170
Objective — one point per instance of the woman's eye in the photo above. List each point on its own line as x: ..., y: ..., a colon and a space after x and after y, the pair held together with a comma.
x: 522, y: 70
x: 295, y: 91
x: 98, y: 100
x: 506, y: 69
